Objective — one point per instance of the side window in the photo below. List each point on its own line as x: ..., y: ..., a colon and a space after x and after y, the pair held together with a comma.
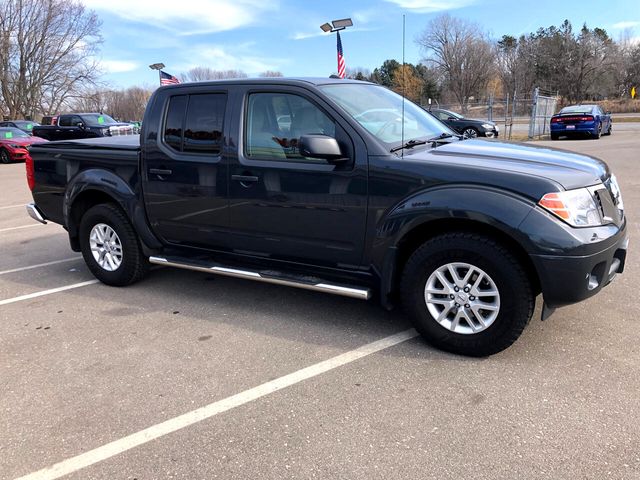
x: 275, y: 121
x: 173, y: 122
x: 75, y: 120
x: 65, y: 121
x: 443, y: 116
x: 203, y: 123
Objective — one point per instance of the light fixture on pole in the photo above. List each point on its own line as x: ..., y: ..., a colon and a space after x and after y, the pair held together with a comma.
x: 158, y: 67
x: 336, y: 26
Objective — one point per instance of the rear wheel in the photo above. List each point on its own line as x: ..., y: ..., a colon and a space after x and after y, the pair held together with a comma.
x: 110, y: 246
x: 597, y: 133
x: 467, y: 294
x: 4, y: 156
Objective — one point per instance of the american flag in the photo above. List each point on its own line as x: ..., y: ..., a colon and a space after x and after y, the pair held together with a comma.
x: 341, y: 65
x: 166, y: 79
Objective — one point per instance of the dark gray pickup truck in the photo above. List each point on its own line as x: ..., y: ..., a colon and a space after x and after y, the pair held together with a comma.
x: 83, y: 125
x: 341, y: 187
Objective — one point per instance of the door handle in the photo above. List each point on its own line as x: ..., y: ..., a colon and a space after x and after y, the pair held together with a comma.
x: 160, y: 171
x: 245, y: 178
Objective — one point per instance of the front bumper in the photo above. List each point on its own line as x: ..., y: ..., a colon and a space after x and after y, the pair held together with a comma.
x: 569, y: 279
x: 18, y: 154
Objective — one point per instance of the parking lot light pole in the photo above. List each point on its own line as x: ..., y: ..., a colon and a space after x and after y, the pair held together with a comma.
x: 336, y: 26
x: 158, y: 67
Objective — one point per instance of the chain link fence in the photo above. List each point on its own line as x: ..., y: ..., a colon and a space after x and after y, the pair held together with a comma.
x: 520, y: 116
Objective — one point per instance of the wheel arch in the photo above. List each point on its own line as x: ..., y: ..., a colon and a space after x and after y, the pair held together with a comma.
x: 422, y: 232
x: 93, y: 187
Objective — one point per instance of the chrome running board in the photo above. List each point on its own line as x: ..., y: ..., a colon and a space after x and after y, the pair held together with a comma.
x: 271, y: 277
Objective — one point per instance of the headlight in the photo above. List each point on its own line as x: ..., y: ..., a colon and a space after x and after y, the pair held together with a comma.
x: 487, y: 126
x: 15, y: 145
x: 576, y: 207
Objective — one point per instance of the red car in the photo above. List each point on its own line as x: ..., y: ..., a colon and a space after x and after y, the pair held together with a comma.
x: 14, y: 144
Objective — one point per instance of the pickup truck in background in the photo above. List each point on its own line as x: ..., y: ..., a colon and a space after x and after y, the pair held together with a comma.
x: 83, y: 125
x: 305, y: 183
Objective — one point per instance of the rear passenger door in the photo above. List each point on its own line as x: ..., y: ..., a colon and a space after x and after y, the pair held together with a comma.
x: 287, y: 206
x: 185, y: 179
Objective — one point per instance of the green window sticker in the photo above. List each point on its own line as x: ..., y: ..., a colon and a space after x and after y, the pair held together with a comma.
x: 101, y: 119
x: 8, y: 134
x: 29, y: 126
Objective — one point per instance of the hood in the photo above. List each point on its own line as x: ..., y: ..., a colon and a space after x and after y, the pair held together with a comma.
x: 569, y: 169
x: 24, y: 141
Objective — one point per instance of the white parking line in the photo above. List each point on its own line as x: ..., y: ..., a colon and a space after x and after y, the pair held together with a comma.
x: 154, y: 432
x: 21, y: 226
x: 23, y: 205
x: 20, y: 269
x: 46, y: 292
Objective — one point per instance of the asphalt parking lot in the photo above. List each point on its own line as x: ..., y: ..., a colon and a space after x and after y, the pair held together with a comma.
x: 158, y: 380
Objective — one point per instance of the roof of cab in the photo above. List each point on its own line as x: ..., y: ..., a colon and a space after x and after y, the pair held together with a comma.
x: 272, y: 81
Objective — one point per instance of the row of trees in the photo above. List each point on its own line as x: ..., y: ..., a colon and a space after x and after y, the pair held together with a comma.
x: 461, y: 62
x: 129, y: 103
x: 48, y: 51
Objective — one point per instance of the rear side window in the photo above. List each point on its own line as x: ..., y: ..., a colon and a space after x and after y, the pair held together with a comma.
x: 65, y: 121
x: 173, y: 123
x: 194, y: 123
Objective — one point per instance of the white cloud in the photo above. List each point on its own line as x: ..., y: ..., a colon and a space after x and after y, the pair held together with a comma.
x: 188, y: 17
x: 239, y: 57
x: 303, y: 35
x: 429, y: 6
x: 118, y: 66
x: 623, y: 25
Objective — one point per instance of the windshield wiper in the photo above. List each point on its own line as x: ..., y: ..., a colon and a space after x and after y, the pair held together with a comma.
x: 409, y: 144
x: 444, y: 135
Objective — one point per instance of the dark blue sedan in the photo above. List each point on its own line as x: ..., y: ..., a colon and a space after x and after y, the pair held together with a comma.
x: 589, y: 120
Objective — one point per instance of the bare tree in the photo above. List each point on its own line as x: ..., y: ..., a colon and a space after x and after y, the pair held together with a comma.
x: 47, y: 53
x: 461, y: 53
x: 200, y: 74
x: 271, y: 74
x: 126, y: 104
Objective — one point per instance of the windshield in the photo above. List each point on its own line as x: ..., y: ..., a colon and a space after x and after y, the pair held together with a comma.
x: 98, y: 119
x: 10, y: 132
x: 379, y: 110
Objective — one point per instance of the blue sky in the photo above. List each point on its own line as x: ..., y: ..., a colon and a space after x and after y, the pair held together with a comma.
x: 284, y: 35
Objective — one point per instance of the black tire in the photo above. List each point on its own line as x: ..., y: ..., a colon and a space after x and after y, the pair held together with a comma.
x: 517, y: 300
x: 133, y: 266
x: 4, y: 156
x: 470, y: 132
x: 555, y: 136
x: 608, y: 132
x: 596, y: 135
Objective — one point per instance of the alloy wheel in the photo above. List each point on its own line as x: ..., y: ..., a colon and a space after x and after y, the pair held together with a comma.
x: 106, y: 247
x: 462, y: 298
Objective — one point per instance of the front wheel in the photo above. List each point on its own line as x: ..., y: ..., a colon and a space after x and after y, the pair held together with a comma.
x: 110, y: 246
x: 467, y: 294
x: 470, y: 132
x: 4, y: 156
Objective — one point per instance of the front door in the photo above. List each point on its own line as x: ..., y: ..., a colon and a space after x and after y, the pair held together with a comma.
x: 185, y: 179
x: 287, y: 206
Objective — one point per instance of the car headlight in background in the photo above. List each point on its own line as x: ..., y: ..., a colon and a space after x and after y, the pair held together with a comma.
x: 576, y: 207
x: 488, y: 126
x: 15, y: 145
